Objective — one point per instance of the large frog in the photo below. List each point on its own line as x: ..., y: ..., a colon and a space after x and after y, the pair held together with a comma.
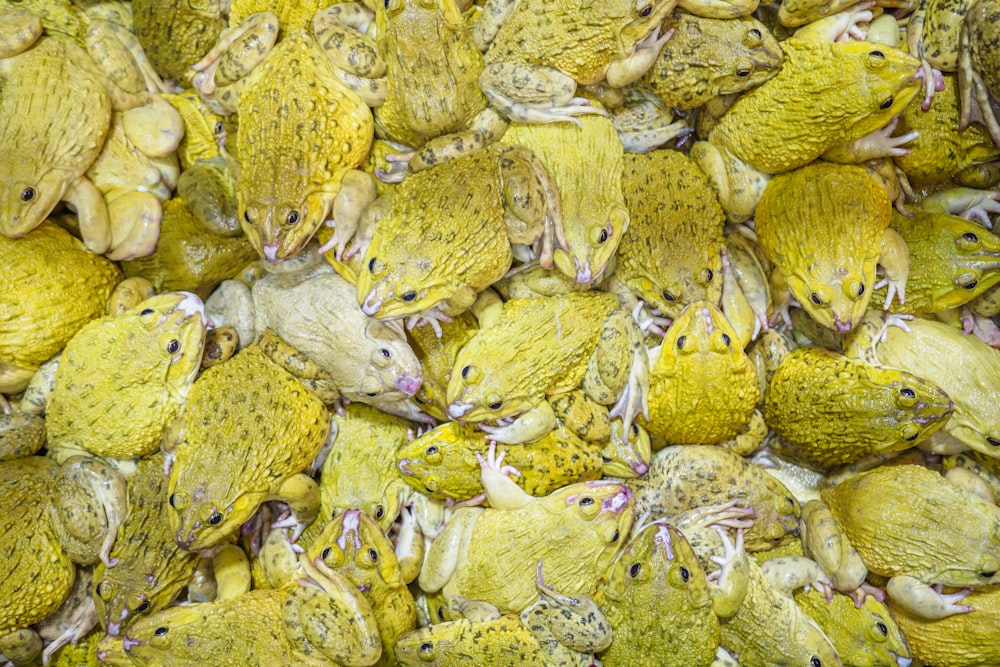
x: 176, y: 35
x: 235, y: 414
x: 926, y: 530
x: 953, y: 260
x: 54, y: 288
x: 702, y: 386
x: 874, y: 82
x: 963, y: 366
x: 581, y: 340
x: 669, y: 255
x: 594, y: 216
x: 478, y: 203
x: 593, y: 519
x: 539, y: 52
x: 292, y: 167
x: 833, y: 410
x: 320, y: 620
x: 707, y: 57
x: 685, y: 477
x: 151, y: 354
x: 656, y: 597
x: 830, y: 268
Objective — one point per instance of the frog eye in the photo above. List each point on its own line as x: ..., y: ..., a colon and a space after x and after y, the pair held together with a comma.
x: 246, y: 216
x: 27, y: 194
x: 215, y: 519
x: 883, y: 628
x: 171, y: 499
x: 816, y: 299
x: 680, y: 342
x: 993, y: 441
x: 387, y: 3
x: 910, y: 432
x: 326, y: 553
x: 886, y: 104
x: 495, y: 405
x: 986, y: 575
x: 371, y: 265
x: 635, y: 429
x: 146, y: 311
x: 861, y: 289
x: 709, y: 274
x: 292, y: 218
x: 644, y: 8
x: 379, y: 512
x: 386, y: 353
x: 877, y: 54
x: 634, y: 570
x: 173, y: 346
x: 970, y: 237
x: 494, y: 402
x: 756, y: 33
x: 465, y: 372
x: 971, y: 284
x: 815, y: 662
x: 586, y: 500
x: 143, y: 607
x: 426, y: 647
x: 103, y: 589
x: 907, y: 392
x: 685, y: 575
x: 726, y: 339
x: 603, y: 237
x: 160, y: 631
x: 409, y: 296
x: 743, y: 73
x: 373, y: 555
x: 614, y: 538
x: 220, y: 128
x: 433, y: 449
x: 744, y: 66
x: 667, y: 296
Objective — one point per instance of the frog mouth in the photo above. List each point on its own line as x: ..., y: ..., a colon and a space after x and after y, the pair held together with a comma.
x: 458, y: 410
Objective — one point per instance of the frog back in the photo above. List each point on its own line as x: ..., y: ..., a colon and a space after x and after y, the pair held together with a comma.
x: 670, y: 251
x: 908, y: 520
x: 498, y: 641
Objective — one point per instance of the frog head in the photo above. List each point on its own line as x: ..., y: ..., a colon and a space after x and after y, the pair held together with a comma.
x: 477, y: 392
x: 200, y: 521
x: 887, y: 85
x: 177, y: 324
x: 701, y: 331
x: 640, y: 18
x: 836, y: 296
x: 353, y: 544
x: 608, y: 506
x: 28, y: 193
x: 154, y: 640
x: 405, y: 288
x: 586, y: 257
x: 422, y: 460
x: 278, y: 229
x: 388, y: 369
x: 438, y: 642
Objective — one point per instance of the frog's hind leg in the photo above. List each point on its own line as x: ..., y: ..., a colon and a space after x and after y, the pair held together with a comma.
x: 619, y: 368
x: 532, y: 206
x: 528, y: 94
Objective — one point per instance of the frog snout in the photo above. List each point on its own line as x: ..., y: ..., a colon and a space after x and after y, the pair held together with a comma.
x: 640, y: 468
x: 458, y: 410
x: 408, y: 385
x: 371, y: 305
x: 842, y: 327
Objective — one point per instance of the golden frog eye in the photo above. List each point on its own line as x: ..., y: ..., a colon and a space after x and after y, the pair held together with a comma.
x: 471, y: 374
x: 968, y: 238
x: 433, y: 454
x: 143, y: 606
x: 910, y: 432
x: 886, y: 104
x: 967, y: 280
x: 643, y: 8
x: 409, y: 296
x: 753, y: 38
x: 173, y: 346
x: 680, y: 342
x: 743, y: 66
x: 667, y: 296
x: 292, y: 218
x: 634, y: 570
x: 494, y: 402
x: 246, y: 216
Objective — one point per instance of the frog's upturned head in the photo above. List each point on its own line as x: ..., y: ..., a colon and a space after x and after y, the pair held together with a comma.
x: 392, y: 371
x: 835, y: 296
x: 278, y: 230
x: 178, y: 325
x: 478, y: 391
x: 646, y: 16
x: 888, y: 82
x: 422, y: 459
x: 585, y: 259
x: 149, y: 640
x: 403, y: 289
x: 626, y: 459
x: 28, y: 193
x: 426, y: 646
x: 200, y: 523
x: 701, y: 330
x: 353, y: 543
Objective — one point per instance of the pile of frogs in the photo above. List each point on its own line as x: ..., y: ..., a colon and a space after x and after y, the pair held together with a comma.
x: 517, y: 332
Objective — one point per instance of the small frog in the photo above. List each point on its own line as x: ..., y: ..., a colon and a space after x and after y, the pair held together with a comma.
x: 235, y: 413
x: 707, y: 57
x: 702, y: 387
x: 979, y: 85
x: 151, y: 354
x: 830, y: 268
x: 539, y: 51
x: 582, y: 340
x: 437, y: 358
x: 592, y: 519
x: 176, y: 36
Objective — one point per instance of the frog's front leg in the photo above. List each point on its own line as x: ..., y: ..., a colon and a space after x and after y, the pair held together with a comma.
x: 622, y: 346
x: 825, y: 542
x: 341, y: 33
x: 969, y: 203
x: 238, y: 51
x: 644, y: 122
x: 357, y: 191
x: 894, y: 258
x: 501, y: 491
x: 533, y: 209
x: 529, y: 94
x: 301, y: 493
x: 876, y: 144
x: 527, y: 427
x: 728, y: 585
x: 626, y: 70
x: 410, y: 545
x: 738, y: 185
x: 926, y: 601
x: 792, y: 572
x: 446, y: 549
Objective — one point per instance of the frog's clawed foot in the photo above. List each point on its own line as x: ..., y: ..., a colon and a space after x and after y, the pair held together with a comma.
x: 893, y: 321
x: 933, y: 82
x: 881, y: 143
x: 732, y: 553
x: 864, y: 591
x: 495, y: 462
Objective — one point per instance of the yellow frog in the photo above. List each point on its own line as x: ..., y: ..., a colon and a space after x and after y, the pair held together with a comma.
x: 234, y: 415
x: 176, y: 36
x: 582, y: 340
x: 56, y: 287
x: 977, y: 61
x: 539, y: 51
x: 150, y: 353
x: 878, y: 82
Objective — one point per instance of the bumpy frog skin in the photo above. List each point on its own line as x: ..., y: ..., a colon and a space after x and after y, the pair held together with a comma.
x: 926, y: 527
x: 594, y: 216
x: 214, y: 434
x: 656, y: 596
x: 175, y: 36
x: 676, y: 482
x: 323, y: 620
x: 56, y: 287
x: 830, y: 267
x: 482, y: 202
x: 592, y: 518
x: 954, y: 261
x: 669, y: 256
x: 540, y: 51
x: 437, y: 359
x: 834, y: 410
x: 733, y: 55
x: 861, y: 84
x: 702, y: 387
x: 152, y: 351
x: 978, y: 80
x: 963, y: 366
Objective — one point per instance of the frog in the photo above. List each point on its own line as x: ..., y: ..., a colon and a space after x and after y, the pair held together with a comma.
x: 978, y: 84
x: 744, y: 54
x: 702, y: 386
x: 321, y: 619
x: 830, y: 268
x: 954, y: 260
x: 290, y: 171
x: 437, y: 357
x: 626, y: 457
x: 175, y: 37
x: 189, y: 257
x: 879, y: 83
x: 967, y: 645
x: 379, y: 368
x: 57, y: 516
x: 482, y: 202
x: 74, y: 619
x: 593, y: 212
x: 593, y: 516
x: 751, y: 271
x: 978, y: 464
x: 583, y: 340
x: 769, y: 628
x: 21, y: 433
x: 211, y: 434
x: 922, y: 348
x: 669, y: 255
x: 150, y: 353
x: 442, y: 463
x: 656, y: 597
x: 558, y: 630
x: 676, y: 482
x: 529, y: 50
x: 57, y: 287
x: 961, y: 550
x: 942, y: 150
x: 891, y: 410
